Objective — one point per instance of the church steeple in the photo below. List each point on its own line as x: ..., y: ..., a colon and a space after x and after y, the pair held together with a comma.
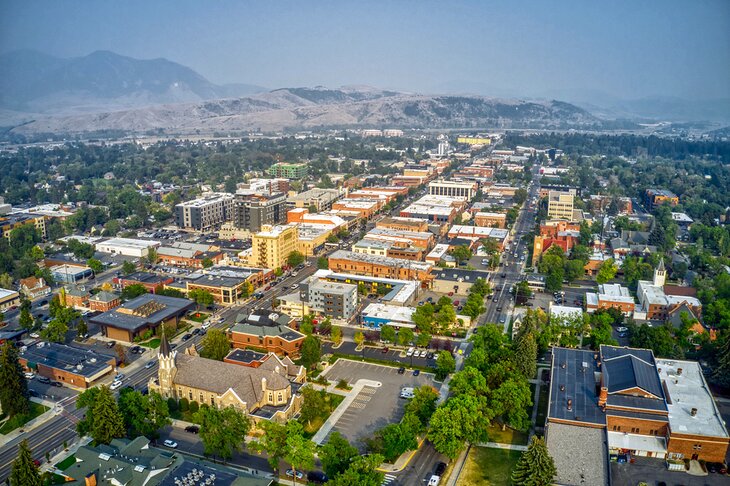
x: 164, y: 345
x: 167, y: 369
x: 660, y: 274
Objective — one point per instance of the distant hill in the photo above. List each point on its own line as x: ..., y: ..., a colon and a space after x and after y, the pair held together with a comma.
x: 38, y: 83
x: 310, y: 108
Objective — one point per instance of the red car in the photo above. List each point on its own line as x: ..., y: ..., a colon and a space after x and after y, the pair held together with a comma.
x: 456, y: 302
x: 450, y: 294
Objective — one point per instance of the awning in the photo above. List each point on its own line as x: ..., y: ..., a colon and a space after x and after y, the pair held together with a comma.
x: 636, y: 442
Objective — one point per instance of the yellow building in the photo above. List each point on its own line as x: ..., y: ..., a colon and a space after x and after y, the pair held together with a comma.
x: 272, y: 245
x: 11, y: 221
x: 560, y: 205
x: 474, y: 140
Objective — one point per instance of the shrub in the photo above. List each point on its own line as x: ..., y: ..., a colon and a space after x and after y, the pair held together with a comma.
x: 172, y: 405
x: 184, y: 405
x: 194, y: 407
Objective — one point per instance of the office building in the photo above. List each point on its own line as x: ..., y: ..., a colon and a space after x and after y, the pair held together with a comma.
x: 271, y: 246
x: 560, y: 205
x: 252, y: 211
x: 379, y: 266
x: 266, y: 330
x: 70, y: 273
x: 126, y: 246
x: 611, y: 296
x: 78, y: 368
x: 204, y: 213
x: 318, y: 199
x: 8, y: 299
x: 10, y: 222
x: 289, y: 171
x: 377, y: 315
x: 402, y: 224
x: 461, y: 189
x: 333, y: 299
x: 656, y: 197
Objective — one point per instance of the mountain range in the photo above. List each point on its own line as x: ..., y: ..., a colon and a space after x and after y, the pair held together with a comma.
x: 106, y: 91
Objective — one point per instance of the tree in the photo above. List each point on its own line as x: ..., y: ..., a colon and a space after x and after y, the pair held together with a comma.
x: 6, y: 281
x: 387, y: 333
x: 299, y: 450
x: 36, y: 253
x: 423, y: 339
x: 535, y: 467
x: 108, y: 422
x: 322, y: 263
x: 480, y: 287
x: 307, y: 324
x: 25, y: 320
x: 446, y: 316
x: 445, y: 364
x: 721, y: 375
x: 82, y: 329
x: 128, y: 267
x: 24, y: 472
x: 143, y: 414
x: 522, y: 292
x: 135, y: 290
x: 526, y: 355
x: 13, y: 387
x: 423, y: 403
x: 215, y: 345
x: 152, y: 256
x: 359, y: 338
x: 295, y: 258
x: 273, y: 442
x: 607, y: 271
x: 395, y: 439
x: 95, y: 265
x: 511, y: 400
x: 520, y: 196
x: 311, y: 352
x: 405, y: 336
x: 56, y: 331
x: 461, y: 253
x: 336, y: 335
x: 201, y: 297
x: 363, y: 471
x: 337, y: 454
x: 315, y: 405
x: 207, y: 262
x: 462, y: 418
x: 222, y: 431
x: 574, y: 269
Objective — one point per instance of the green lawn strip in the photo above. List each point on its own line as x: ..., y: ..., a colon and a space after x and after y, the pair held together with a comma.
x: 198, y: 317
x: 50, y: 479
x: 152, y: 343
x: 506, y: 436
x: 488, y: 467
x: 335, y: 356
x: 311, y: 428
x: 66, y: 463
x: 36, y: 409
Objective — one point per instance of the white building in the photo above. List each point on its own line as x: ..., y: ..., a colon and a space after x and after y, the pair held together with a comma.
x: 465, y: 190
x: 127, y: 247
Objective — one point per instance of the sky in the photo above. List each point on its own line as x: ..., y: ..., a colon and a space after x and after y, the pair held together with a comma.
x: 541, y: 48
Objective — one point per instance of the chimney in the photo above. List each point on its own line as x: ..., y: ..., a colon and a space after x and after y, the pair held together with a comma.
x: 679, y: 371
x: 693, y: 412
x: 570, y: 404
x: 562, y: 365
x: 263, y: 384
x: 90, y: 479
x: 603, y: 396
x: 562, y: 387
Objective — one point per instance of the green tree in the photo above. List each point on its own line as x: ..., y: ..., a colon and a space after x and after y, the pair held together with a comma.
x: 273, y: 442
x: 363, y: 471
x: 311, y: 352
x: 446, y: 316
x: 295, y: 258
x: 336, y: 335
x: 445, y: 364
x: 461, y: 253
x: 721, y: 374
x: 511, y: 400
x: 423, y: 340
x: 24, y: 472
x: 128, y: 267
x: 462, y: 418
x: 201, y: 297
x: 207, y: 262
x: 423, y: 403
x: 535, y: 467
x: 56, y: 331
x: 152, y: 256
x: 26, y: 319
x: 95, y: 265
x: 337, y: 454
x: 13, y: 387
x: 526, y: 355
x: 322, y: 263
x: 574, y: 269
x: 299, y: 450
x: 86, y: 400
x: 307, y: 324
x: 405, y: 336
x: 315, y: 405
x: 108, y: 422
x: 36, y: 253
x: 215, y: 345
x: 222, y: 431
x: 480, y: 287
x: 6, y: 281
x: 607, y: 271
x: 135, y: 290
x: 143, y: 414
x: 359, y: 338
x: 387, y: 333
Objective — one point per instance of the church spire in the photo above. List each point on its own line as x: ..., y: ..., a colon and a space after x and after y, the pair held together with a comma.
x: 164, y: 345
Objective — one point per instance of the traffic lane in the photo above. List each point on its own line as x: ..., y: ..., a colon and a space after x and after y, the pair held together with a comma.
x: 422, y: 465
x: 191, y: 443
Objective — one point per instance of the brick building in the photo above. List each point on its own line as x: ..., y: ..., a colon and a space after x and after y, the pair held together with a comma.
x: 104, y: 301
x: 491, y: 220
x: 74, y: 367
x: 268, y: 331
x: 379, y: 266
x: 610, y: 296
x: 150, y: 281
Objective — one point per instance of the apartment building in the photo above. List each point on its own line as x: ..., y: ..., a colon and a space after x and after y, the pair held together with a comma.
x: 611, y: 296
x: 418, y: 239
x: 560, y: 205
x: 289, y: 171
x: 252, y: 211
x: 265, y: 187
x: 461, y: 189
x: 333, y: 299
x: 403, y: 224
x: 320, y: 199
x: 379, y: 266
x: 556, y: 232
x: 656, y: 197
x: 271, y: 246
x: 204, y: 213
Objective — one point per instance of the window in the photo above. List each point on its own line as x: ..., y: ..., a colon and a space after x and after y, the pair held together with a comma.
x: 697, y: 447
x: 279, y: 398
x: 614, y: 428
x: 190, y: 395
x: 212, y: 401
x: 201, y: 398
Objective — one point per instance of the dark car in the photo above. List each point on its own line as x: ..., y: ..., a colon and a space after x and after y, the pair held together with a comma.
x: 56, y: 383
x: 401, y: 370
x: 111, y: 344
x: 440, y: 468
x: 416, y: 372
x: 317, y: 477
x: 504, y: 275
x: 196, y: 331
x: 385, y: 350
x: 193, y: 429
x: 187, y: 336
x: 44, y: 380
x: 430, y: 355
x: 136, y: 350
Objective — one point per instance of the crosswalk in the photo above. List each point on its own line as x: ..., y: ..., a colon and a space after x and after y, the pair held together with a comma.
x: 389, y: 478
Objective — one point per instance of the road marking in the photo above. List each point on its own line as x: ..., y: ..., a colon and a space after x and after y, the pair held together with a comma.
x: 387, y: 479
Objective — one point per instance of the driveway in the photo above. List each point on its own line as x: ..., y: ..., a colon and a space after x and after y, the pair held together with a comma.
x: 654, y: 471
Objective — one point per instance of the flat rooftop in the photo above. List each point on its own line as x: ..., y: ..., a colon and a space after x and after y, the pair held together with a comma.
x: 206, y: 200
x: 687, y: 391
x: 128, y: 243
x: 121, y: 318
x: 332, y: 287
x: 397, y: 314
x: 574, y: 377
x: 245, y: 356
x: 580, y: 455
x: 83, y: 362
x: 380, y: 260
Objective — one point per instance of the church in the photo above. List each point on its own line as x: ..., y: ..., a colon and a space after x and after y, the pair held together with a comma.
x: 662, y: 302
x: 269, y: 391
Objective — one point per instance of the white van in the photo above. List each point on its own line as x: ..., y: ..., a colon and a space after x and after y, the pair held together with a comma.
x: 434, y: 481
x: 407, y: 392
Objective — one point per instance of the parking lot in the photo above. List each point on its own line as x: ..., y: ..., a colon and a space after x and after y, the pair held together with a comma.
x: 373, y: 408
x: 654, y: 472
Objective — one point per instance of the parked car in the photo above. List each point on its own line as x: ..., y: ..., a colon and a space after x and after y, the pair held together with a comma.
x: 35, y: 335
x: 622, y: 329
x: 430, y: 355
x: 290, y: 474
x: 401, y: 370
x: 44, y: 380
x: 385, y: 350
x: 317, y: 477
x: 136, y: 350
x: 205, y: 325
x: 29, y: 375
x: 111, y: 344
x: 170, y: 443
x: 416, y: 372
x: 410, y: 351
x: 196, y: 331
x: 57, y: 383
x: 193, y: 429
x: 187, y: 336
x: 120, y: 377
x: 440, y: 468
x: 424, y: 352
x: 116, y: 384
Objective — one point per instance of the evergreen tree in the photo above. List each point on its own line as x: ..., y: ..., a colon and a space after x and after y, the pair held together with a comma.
x: 535, y: 467
x: 108, y: 420
x: 25, y: 472
x: 526, y: 355
x: 721, y: 375
x: 13, y: 387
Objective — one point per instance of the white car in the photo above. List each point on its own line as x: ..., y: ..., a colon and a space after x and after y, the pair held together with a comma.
x: 170, y: 443
x: 424, y: 352
x: 116, y: 384
x: 410, y: 351
x: 205, y: 325
x: 29, y: 375
x: 622, y: 329
x: 35, y: 335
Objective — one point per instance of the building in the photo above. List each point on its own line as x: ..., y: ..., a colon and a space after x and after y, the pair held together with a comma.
x: 127, y: 247
x: 145, y: 313
x: 436, y: 209
x: 561, y: 233
x: 473, y: 140
x: 364, y: 208
x: 611, y: 296
x: 333, y: 299
x: 9, y: 222
x: 319, y: 199
x: 266, y: 330
x: 659, y: 301
x: 392, y: 291
x: 476, y: 233
x: 139, y: 462
x: 601, y: 203
x: 150, y: 281
x: 491, y: 220
x: 253, y: 211
x: 439, y: 251
x: 8, y: 299
x: 288, y: 171
x: 293, y: 305
x: 184, y: 254
x: 423, y: 240
x: 379, y: 266
x: 642, y: 406
x: 656, y: 197
x: 271, y: 246
x: 104, y: 301
x: 33, y: 287
x: 204, y: 213
x: 403, y: 224
x: 225, y: 289
x: 456, y: 280
x: 377, y: 315
x: 560, y: 205
x: 74, y: 297
x: 74, y: 367
x: 564, y: 314
x: 70, y: 274
x: 265, y: 187
x: 462, y: 189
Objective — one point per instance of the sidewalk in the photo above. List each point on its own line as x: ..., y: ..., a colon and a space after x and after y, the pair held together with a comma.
x: 497, y: 445
x: 50, y: 465
x: 458, y: 466
x: 53, y: 410
x: 327, y: 426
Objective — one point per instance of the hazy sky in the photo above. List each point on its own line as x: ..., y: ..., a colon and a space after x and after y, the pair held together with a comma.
x: 627, y: 49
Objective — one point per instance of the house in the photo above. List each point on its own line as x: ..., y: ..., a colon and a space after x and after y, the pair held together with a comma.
x: 266, y: 330
x: 150, y: 281
x: 104, y: 301
x: 76, y: 297
x: 34, y: 287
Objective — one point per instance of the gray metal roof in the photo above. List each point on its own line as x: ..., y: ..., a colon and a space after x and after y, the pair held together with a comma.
x: 172, y: 306
x: 573, y: 378
x: 83, y: 362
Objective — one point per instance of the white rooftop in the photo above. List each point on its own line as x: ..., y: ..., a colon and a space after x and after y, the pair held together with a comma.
x: 614, y: 293
x: 438, y: 251
x: 650, y: 443
x: 478, y: 232
x: 4, y: 293
x: 128, y: 243
x: 682, y: 218
x: 565, y: 312
x: 396, y: 314
x: 686, y: 392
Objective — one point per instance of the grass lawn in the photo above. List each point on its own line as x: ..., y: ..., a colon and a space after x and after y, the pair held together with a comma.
x: 488, y: 467
x: 8, y: 426
x: 153, y: 343
x: 542, y: 405
x: 66, y: 463
x: 311, y: 428
x: 507, y: 436
x: 50, y: 479
x: 198, y: 317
